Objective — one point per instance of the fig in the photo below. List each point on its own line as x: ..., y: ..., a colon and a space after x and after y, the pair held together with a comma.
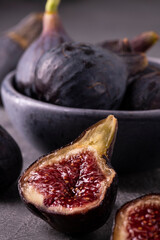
x: 138, y: 219
x: 144, y: 92
x: 16, y: 40
x: 140, y: 43
x: 74, y: 188
x: 53, y: 34
x: 85, y: 76
x: 10, y: 160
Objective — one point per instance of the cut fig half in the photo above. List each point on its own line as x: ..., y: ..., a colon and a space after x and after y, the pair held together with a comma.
x: 74, y: 188
x: 139, y: 219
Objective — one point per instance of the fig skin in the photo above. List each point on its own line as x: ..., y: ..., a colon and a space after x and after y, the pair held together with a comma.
x: 14, y: 42
x: 144, y: 92
x: 119, y: 230
x: 85, y: 76
x: 87, y: 218
x: 140, y: 43
x: 52, y: 35
x: 10, y: 160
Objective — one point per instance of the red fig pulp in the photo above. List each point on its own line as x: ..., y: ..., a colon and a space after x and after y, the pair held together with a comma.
x: 139, y: 219
x: 74, y: 188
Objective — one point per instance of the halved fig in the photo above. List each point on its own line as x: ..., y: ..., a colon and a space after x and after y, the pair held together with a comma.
x: 139, y: 219
x: 74, y: 188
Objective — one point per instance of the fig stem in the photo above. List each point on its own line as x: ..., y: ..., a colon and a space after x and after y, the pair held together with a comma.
x: 52, y: 6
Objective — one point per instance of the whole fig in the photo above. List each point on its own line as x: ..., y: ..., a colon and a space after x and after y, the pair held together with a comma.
x: 14, y: 42
x: 85, y: 76
x: 144, y: 92
x: 52, y: 35
x: 10, y: 160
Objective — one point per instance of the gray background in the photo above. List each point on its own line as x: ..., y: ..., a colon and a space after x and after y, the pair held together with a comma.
x: 89, y: 21
x: 93, y: 20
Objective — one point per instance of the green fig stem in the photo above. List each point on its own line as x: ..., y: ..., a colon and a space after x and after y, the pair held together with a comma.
x: 52, y: 6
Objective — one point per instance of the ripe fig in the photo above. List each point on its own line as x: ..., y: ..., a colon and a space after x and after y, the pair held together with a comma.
x: 85, y: 76
x: 16, y: 40
x: 140, y: 43
x: 138, y: 219
x: 74, y: 188
x: 52, y: 35
x: 144, y: 92
x: 10, y: 160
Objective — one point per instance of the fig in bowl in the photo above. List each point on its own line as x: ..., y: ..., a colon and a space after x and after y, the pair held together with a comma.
x: 48, y: 126
x: 74, y: 188
x: 74, y: 86
x: 53, y: 34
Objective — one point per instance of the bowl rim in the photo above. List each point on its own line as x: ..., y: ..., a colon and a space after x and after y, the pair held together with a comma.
x: 8, y: 89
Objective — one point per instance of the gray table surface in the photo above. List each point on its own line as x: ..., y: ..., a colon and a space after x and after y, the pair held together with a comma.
x: 91, y: 21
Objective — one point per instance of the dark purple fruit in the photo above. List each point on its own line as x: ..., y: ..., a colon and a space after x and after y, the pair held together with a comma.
x: 140, y: 43
x: 16, y: 40
x: 10, y: 160
x: 144, y: 92
x: 85, y: 76
x: 53, y: 34
x: 74, y: 188
x: 138, y: 219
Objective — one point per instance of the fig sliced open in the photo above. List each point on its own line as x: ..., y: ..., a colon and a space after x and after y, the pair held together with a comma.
x: 74, y: 188
x: 139, y: 219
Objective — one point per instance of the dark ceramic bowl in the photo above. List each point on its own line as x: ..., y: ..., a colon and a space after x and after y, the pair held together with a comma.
x: 49, y: 127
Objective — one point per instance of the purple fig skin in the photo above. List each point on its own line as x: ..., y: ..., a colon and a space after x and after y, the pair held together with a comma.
x: 14, y: 42
x: 53, y: 35
x: 143, y: 93
x: 119, y: 229
x: 117, y: 46
x: 135, y: 62
x: 85, y: 76
x: 10, y: 160
x: 144, y: 41
x: 9, y: 48
x: 140, y: 43
x: 79, y: 222
x: 82, y: 76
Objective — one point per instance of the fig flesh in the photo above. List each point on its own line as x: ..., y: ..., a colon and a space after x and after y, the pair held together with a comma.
x: 10, y: 160
x: 139, y: 219
x: 74, y: 188
x: 53, y: 34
